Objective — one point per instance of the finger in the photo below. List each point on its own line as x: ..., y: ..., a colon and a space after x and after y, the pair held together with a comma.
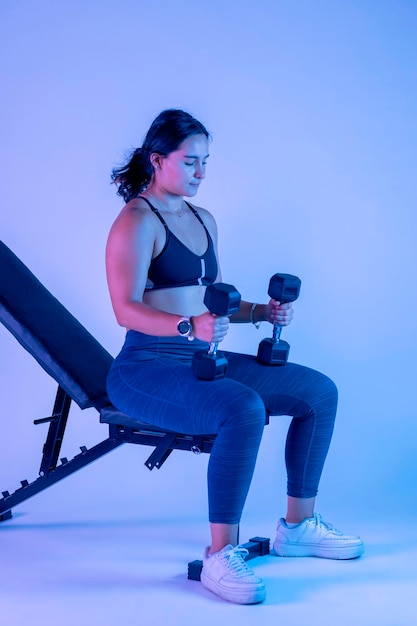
x: 219, y: 336
x: 222, y: 322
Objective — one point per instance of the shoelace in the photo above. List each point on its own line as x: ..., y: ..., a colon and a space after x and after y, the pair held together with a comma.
x: 320, y: 522
x: 235, y: 561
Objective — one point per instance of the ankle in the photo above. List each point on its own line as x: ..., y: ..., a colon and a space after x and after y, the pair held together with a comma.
x: 292, y: 524
x: 216, y: 548
x: 299, y: 509
x: 223, y: 535
x: 295, y: 517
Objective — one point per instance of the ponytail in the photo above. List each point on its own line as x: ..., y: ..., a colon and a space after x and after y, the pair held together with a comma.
x: 133, y: 177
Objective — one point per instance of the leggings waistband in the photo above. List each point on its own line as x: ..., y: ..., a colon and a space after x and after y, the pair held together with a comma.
x: 141, y: 347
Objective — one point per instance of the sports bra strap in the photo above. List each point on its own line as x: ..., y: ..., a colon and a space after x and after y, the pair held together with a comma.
x: 196, y: 214
x: 155, y: 210
x: 159, y: 216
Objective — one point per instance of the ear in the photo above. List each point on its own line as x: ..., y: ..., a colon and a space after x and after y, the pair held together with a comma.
x: 156, y: 160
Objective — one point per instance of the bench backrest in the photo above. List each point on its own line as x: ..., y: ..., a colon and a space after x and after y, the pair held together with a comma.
x: 54, y: 337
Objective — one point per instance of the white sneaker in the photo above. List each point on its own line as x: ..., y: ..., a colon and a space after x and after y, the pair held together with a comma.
x: 226, y: 574
x: 314, y: 537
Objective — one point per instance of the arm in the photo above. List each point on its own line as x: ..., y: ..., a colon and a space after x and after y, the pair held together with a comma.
x: 128, y: 254
x: 273, y: 312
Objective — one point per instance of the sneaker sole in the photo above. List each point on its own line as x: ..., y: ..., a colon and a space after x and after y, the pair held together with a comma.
x: 297, y: 550
x: 241, y: 596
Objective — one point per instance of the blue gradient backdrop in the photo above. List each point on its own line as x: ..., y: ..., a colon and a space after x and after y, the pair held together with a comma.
x: 312, y: 108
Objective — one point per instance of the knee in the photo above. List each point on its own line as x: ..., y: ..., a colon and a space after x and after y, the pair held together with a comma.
x: 245, y: 410
x: 318, y: 396
x: 331, y: 392
x: 325, y: 395
x: 327, y: 387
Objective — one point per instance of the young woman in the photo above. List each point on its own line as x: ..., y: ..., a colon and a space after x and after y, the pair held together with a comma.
x: 161, y: 255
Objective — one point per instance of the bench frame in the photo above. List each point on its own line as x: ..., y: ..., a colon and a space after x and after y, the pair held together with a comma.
x: 79, y: 364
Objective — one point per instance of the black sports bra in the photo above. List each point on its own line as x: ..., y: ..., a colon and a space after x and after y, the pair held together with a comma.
x: 176, y: 265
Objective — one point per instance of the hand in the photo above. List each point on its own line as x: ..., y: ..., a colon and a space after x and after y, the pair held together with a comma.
x: 209, y: 327
x: 280, y: 314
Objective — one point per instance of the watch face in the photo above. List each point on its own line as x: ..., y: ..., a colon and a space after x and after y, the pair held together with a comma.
x: 184, y: 327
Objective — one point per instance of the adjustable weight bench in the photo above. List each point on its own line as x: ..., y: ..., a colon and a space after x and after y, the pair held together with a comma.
x: 79, y: 364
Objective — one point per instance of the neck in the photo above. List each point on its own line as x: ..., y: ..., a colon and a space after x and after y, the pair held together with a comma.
x: 165, y: 201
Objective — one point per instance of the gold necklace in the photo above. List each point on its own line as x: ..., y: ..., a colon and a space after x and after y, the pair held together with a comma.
x: 177, y: 214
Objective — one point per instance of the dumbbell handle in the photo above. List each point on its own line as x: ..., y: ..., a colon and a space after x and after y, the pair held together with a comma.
x: 221, y: 300
x: 213, y: 348
x: 285, y: 288
x: 233, y: 306
x: 276, y: 333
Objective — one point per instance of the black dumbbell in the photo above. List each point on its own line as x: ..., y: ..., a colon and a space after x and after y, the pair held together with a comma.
x: 220, y: 299
x: 284, y: 288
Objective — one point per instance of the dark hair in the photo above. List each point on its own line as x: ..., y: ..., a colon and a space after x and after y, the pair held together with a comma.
x: 165, y: 135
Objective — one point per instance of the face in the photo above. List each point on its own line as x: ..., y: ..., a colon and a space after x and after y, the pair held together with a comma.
x: 182, y: 171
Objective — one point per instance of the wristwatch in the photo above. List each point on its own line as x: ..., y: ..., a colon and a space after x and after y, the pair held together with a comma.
x: 184, y: 327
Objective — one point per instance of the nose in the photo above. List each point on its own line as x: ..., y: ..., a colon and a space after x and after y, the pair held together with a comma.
x: 200, y: 171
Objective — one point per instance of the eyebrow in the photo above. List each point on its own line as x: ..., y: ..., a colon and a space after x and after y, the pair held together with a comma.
x: 192, y: 156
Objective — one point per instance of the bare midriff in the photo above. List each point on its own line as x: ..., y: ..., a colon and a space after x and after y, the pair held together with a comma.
x: 186, y: 301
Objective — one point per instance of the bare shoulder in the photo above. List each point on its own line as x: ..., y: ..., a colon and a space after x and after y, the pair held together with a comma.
x: 135, y: 218
x: 133, y: 236
x: 207, y: 218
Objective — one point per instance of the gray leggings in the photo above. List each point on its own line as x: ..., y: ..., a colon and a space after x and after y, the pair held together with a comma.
x: 151, y: 380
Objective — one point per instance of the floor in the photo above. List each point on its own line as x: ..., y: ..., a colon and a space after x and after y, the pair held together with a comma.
x: 93, y: 550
